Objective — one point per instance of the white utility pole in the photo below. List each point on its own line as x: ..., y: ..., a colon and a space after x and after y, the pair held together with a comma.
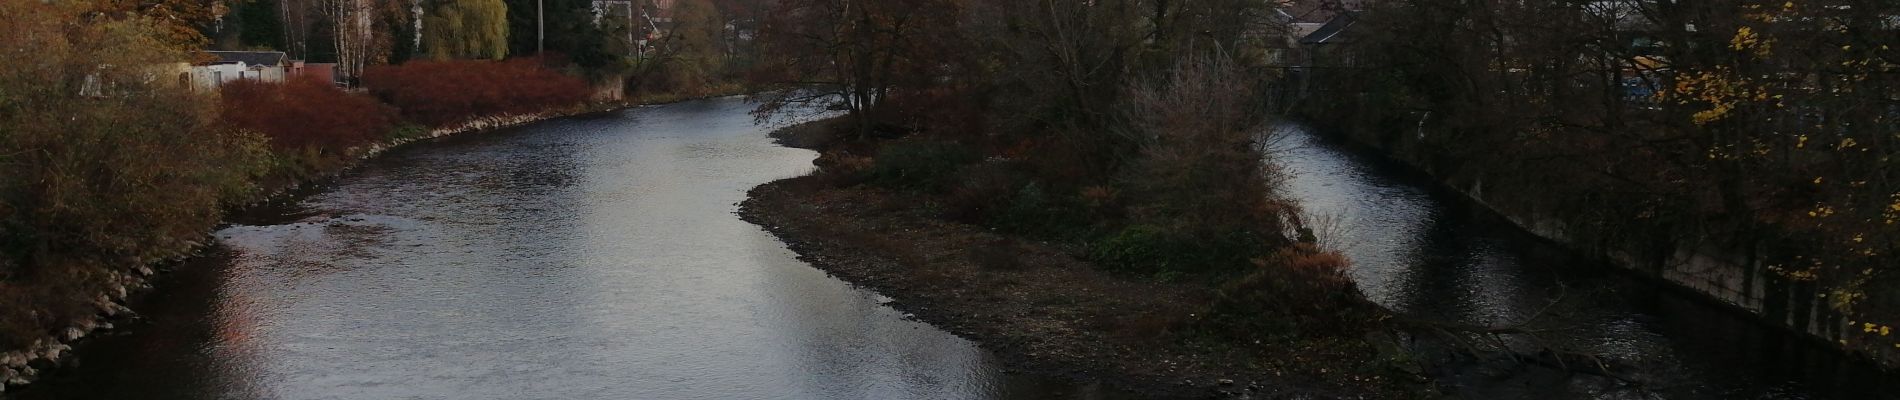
x: 540, y: 26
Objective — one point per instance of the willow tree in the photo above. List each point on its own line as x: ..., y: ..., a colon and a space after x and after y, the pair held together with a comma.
x: 466, y: 29
x: 696, y: 46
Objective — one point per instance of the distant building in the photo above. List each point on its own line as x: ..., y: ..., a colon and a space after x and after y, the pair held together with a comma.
x: 1318, y: 12
x: 1323, y: 43
x: 229, y: 66
x: 633, y: 26
x: 266, y: 66
x: 1317, y: 53
x: 321, y: 71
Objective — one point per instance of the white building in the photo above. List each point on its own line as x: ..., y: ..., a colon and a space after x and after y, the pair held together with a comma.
x: 266, y: 66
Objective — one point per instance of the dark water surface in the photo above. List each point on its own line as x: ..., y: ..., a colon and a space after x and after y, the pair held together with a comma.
x: 1424, y: 252
x: 594, y: 257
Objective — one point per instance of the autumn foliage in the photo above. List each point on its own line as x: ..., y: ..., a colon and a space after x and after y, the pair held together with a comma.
x: 106, y: 169
x: 440, y: 93
x: 305, y: 113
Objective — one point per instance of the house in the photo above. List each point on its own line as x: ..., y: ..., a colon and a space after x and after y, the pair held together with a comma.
x: 229, y: 66
x: 321, y: 71
x: 1323, y: 45
x: 1322, y: 56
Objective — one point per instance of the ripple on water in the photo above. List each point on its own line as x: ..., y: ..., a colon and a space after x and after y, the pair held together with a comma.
x: 592, y: 257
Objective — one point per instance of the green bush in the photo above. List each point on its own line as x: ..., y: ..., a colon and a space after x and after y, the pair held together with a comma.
x: 921, y: 165
x: 1150, y: 249
x: 1004, y: 195
x: 1140, y: 247
x: 408, y: 131
x: 1036, y: 211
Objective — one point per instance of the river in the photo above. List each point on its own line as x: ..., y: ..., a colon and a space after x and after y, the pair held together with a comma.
x: 593, y: 257
x: 1427, y: 252
x: 598, y: 257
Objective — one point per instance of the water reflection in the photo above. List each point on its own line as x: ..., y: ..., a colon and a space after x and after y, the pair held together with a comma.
x: 593, y: 257
x: 1423, y: 253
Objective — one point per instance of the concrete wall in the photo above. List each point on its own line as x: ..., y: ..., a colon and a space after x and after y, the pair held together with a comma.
x: 1728, y: 271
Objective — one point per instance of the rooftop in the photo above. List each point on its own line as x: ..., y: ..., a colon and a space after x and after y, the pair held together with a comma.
x: 1326, y: 33
x: 253, y: 58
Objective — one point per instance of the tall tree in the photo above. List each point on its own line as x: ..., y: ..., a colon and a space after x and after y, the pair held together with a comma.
x: 260, y: 25
x: 855, y: 52
x: 393, y: 34
x: 571, y: 30
x: 299, y: 22
x: 697, y: 41
x: 179, y: 22
x: 466, y: 29
x: 350, y: 33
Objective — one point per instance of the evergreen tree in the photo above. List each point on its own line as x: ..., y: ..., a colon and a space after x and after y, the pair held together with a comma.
x: 259, y: 24
x: 570, y: 31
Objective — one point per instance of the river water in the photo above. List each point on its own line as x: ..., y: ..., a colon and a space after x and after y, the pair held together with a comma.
x: 1425, y: 252
x: 594, y: 257
x: 598, y: 257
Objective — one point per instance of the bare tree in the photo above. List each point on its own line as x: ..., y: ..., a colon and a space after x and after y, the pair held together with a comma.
x: 350, y: 29
x: 852, y: 54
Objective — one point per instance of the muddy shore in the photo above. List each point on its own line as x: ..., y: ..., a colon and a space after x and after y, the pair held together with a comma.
x: 1042, y: 309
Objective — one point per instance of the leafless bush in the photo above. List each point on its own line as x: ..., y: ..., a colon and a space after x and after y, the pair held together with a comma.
x: 1330, y: 230
x: 1199, y: 165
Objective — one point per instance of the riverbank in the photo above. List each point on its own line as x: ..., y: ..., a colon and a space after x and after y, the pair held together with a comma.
x: 1725, y: 271
x: 1043, y: 309
x: 20, y: 366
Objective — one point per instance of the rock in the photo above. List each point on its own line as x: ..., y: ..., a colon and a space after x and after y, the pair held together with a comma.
x: 116, y: 309
x: 12, y: 359
x: 1225, y: 382
x: 52, y: 353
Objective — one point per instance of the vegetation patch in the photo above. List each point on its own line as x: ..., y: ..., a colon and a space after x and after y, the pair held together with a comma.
x: 928, y: 165
x: 440, y: 93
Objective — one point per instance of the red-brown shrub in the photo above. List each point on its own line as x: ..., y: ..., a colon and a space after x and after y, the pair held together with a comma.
x: 305, y: 113
x: 439, y: 93
x: 1299, y: 289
